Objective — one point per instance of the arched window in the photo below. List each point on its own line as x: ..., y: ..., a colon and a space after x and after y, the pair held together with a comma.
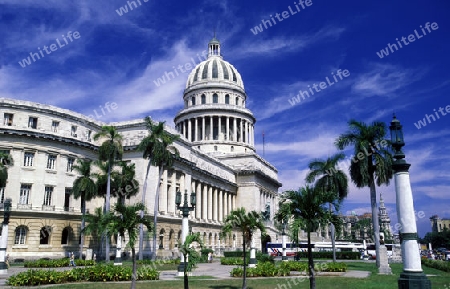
x: 65, y: 236
x: 237, y: 100
x: 227, y: 99
x: 193, y: 100
x: 21, y: 235
x: 203, y: 99
x: 215, y: 98
x: 45, y: 235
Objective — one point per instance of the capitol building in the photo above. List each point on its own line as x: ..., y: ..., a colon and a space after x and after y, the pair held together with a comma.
x: 218, y: 162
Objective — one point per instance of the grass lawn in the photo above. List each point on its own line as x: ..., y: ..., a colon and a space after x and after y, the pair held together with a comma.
x: 373, y: 282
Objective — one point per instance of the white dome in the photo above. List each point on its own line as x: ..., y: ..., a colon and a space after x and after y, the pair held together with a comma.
x: 214, y: 69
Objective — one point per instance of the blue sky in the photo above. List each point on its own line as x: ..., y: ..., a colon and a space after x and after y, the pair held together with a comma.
x: 118, y: 58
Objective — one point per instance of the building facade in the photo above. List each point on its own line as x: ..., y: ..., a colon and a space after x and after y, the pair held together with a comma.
x: 438, y: 224
x: 217, y: 161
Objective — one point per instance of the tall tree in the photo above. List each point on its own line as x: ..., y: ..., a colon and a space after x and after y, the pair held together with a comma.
x: 247, y: 224
x: 329, y: 178
x: 158, y: 149
x: 95, y: 226
x: 125, y: 183
x: 84, y: 187
x: 307, y: 208
x: 109, y: 151
x: 372, y: 163
x: 187, y: 251
x: 126, y: 220
x: 5, y: 161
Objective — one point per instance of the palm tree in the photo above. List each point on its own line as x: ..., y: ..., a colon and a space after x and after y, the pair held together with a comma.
x: 247, y: 223
x: 110, y: 150
x: 373, y: 164
x: 126, y: 220
x: 124, y: 181
x: 187, y: 250
x: 330, y: 179
x: 157, y: 148
x: 95, y: 225
x: 5, y: 161
x: 84, y: 187
x: 307, y: 207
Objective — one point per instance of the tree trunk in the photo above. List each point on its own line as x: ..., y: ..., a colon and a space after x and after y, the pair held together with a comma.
x: 185, y: 278
x: 156, y: 209
x: 141, y: 226
x: 244, y: 279
x: 83, y: 212
x: 376, y: 226
x: 107, y: 209
x: 333, y: 236
x: 133, y: 275
x: 312, y: 276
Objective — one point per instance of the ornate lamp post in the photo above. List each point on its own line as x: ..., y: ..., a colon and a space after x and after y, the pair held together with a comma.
x: 185, y: 209
x: 412, y: 275
x: 4, y: 239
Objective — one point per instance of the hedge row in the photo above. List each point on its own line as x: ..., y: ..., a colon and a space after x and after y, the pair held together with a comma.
x: 236, y: 254
x: 56, y: 263
x: 437, y: 264
x: 329, y: 255
x: 98, y: 273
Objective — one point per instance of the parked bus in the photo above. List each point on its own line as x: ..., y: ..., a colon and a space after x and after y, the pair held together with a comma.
x: 276, y: 249
x: 372, y: 253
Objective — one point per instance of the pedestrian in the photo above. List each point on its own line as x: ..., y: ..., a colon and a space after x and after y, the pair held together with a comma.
x: 94, y: 258
x: 210, y: 257
x: 7, y: 261
x: 72, y: 260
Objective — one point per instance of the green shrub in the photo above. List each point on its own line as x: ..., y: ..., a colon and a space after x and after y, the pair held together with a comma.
x: 165, y: 261
x: 437, y: 264
x: 56, y: 263
x: 332, y: 267
x: 263, y: 257
x: 265, y: 269
x: 329, y: 255
x: 236, y: 254
x: 233, y: 261
x: 98, y: 273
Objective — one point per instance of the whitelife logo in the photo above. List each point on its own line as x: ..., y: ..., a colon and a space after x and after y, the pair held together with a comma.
x: 284, y: 14
x: 411, y: 38
x: 422, y: 122
x: 53, y: 47
x: 124, y: 9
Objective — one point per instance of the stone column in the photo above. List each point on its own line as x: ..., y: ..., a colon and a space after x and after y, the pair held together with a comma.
x: 172, y: 193
x: 210, y: 203
x: 196, y: 129
x: 246, y: 132
x: 215, y: 204
x: 220, y: 127
x: 205, y: 202
x: 225, y: 204
x: 189, y: 129
x: 227, y: 136
x: 198, y: 207
x: 241, y: 130
x: 203, y: 128
x: 163, y: 195
x: 185, y: 128
x: 234, y: 129
x: 220, y: 208
x: 211, y: 121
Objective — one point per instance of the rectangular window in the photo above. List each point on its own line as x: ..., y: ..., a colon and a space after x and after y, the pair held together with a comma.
x: 28, y: 159
x: 73, y: 131
x: 70, y: 162
x: 20, y: 237
x: 55, y: 125
x: 88, y: 133
x: 8, y: 119
x: 48, y: 196
x: 2, y: 195
x: 51, y: 162
x: 24, y: 194
x: 32, y: 122
x: 67, y: 194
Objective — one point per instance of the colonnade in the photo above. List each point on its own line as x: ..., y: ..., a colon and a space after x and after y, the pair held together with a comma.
x: 217, y: 127
x: 213, y: 203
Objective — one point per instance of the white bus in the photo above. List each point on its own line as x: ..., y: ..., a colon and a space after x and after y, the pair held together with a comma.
x: 276, y: 249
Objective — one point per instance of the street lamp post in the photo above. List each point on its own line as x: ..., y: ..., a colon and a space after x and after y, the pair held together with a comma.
x: 4, y: 239
x: 185, y: 209
x: 283, y: 241
x: 412, y: 275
